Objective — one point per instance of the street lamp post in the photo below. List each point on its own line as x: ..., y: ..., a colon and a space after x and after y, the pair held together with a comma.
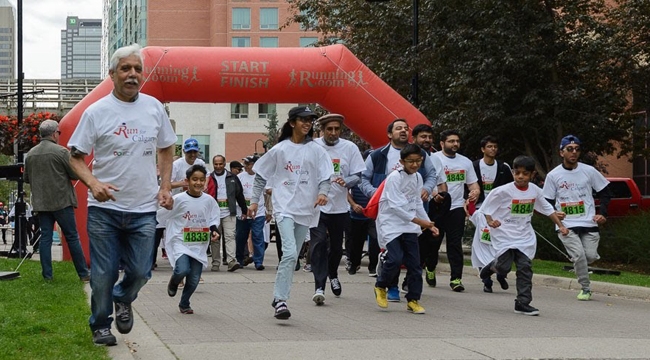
x: 263, y: 146
x: 414, y: 80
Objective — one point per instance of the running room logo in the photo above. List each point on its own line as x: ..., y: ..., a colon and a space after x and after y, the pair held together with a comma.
x: 338, y: 78
x: 291, y: 167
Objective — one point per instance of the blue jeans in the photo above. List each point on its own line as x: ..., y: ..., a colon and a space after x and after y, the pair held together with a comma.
x: 190, y: 269
x: 67, y: 223
x: 293, y: 236
x: 403, y: 250
x: 117, y: 237
x: 244, y: 227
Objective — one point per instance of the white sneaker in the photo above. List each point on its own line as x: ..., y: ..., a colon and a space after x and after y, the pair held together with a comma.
x: 319, y: 297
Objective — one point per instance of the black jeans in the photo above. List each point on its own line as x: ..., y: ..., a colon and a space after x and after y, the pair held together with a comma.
x: 503, y: 265
x: 326, y: 247
x: 360, y: 230
x: 452, y: 224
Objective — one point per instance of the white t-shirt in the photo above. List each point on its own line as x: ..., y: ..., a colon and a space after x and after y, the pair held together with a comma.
x: 222, y: 195
x: 572, y: 191
x: 399, y: 203
x: 392, y: 160
x: 457, y: 172
x: 514, y: 209
x: 437, y: 164
x: 179, y: 168
x: 188, y: 226
x: 488, y: 175
x: 247, y: 181
x: 482, y: 251
x: 124, y: 137
x: 295, y: 170
x: 346, y: 160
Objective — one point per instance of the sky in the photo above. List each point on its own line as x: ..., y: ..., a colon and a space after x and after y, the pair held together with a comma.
x: 43, y: 21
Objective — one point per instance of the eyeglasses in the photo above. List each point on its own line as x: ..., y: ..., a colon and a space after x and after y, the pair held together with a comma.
x: 572, y: 149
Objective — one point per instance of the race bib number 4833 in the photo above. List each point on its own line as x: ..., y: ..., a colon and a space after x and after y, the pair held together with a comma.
x: 196, y: 235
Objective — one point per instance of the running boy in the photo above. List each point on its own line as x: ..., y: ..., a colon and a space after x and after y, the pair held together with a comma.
x: 191, y: 224
x: 508, y: 210
x: 399, y: 222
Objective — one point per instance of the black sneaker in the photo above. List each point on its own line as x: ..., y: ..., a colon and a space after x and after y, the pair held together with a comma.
x: 172, y: 288
x: 457, y: 285
x: 487, y: 285
x: 123, y: 317
x: 282, y: 311
x: 335, y: 284
x: 503, y: 282
x: 525, y: 309
x: 486, y: 272
x: 104, y: 337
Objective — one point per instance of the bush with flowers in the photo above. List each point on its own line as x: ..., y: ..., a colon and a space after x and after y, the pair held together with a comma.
x: 27, y: 134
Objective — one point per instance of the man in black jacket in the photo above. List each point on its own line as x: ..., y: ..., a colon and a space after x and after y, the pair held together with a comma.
x: 491, y: 172
x: 226, y: 188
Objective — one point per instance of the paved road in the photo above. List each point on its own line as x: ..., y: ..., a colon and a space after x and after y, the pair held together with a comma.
x: 234, y: 319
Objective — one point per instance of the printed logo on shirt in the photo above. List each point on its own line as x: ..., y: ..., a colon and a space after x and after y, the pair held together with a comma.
x: 247, y: 185
x: 148, y: 152
x: 291, y: 167
x: 193, y: 218
x: 289, y: 183
x: 134, y: 134
x: 118, y: 153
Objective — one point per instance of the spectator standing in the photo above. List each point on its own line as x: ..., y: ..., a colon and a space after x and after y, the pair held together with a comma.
x: 124, y: 130
x: 226, y: 188
x: 47, y: 169
x: 253, y: 226
x: 4, y: 220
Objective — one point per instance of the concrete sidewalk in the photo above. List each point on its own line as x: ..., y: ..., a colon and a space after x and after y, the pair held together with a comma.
x: 233, y: 319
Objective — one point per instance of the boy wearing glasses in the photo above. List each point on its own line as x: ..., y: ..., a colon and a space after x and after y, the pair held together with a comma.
x: 569, y: 188
x: 399, y: 222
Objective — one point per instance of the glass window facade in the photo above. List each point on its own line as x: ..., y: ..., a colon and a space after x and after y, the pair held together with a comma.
x: 241, y: 18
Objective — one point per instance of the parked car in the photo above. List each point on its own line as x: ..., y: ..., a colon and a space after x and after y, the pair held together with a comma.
x: 627, y: 198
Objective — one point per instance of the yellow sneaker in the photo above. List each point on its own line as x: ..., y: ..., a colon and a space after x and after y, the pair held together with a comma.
x: 380, y: 297
x: 414, y: 307
x: 584, y: 295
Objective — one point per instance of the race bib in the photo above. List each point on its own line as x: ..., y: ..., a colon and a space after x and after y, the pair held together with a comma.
x: 196, y: 235
x: 455, y: 175
x: 573, y: 209
x: 488, y: 186
x: 223, y: 203
x: 248, y: 202
x: 337, y: 166
x: 485, y: 236
x: 522, y: 207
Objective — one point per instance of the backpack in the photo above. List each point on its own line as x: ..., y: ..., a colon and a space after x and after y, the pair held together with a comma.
x: 372, y: 208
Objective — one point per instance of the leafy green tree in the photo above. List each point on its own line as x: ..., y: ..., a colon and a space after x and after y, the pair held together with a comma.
x: 527, y: 71
x: 272, y: 131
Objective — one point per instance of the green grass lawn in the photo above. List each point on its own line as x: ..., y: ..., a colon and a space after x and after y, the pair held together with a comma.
x: 45, y: 319
x: 555, y: 268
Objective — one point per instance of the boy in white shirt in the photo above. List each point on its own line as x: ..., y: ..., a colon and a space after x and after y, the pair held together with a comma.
x: 508, y: 210
x: 191, y: 224
x: 399, y: 222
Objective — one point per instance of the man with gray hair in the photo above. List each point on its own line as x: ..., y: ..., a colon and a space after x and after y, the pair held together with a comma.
x: 124, y: 130
x: 47, y: 169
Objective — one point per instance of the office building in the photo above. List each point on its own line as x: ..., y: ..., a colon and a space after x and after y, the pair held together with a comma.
x: 7, y: 40
x: 81, y: 49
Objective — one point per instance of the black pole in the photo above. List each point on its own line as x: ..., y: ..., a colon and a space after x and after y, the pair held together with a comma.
x: 414, y: 81
x: 20, y: 209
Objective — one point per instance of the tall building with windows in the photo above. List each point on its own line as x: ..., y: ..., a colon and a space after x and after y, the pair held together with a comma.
x: 233, y: 130
x: 81, y: 49
x: 7, y: 40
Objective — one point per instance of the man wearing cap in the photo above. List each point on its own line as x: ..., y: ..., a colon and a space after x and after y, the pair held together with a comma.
x: 226, y: 188
x: 47, y: 169
x: 569, y: 187
x: 180, y: 165
x: 326, y: 244
x: 236, y: 167
x: 246, y: 226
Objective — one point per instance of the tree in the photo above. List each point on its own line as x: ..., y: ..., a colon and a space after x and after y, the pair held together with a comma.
x: 272, y: 131
x: 527, y: 71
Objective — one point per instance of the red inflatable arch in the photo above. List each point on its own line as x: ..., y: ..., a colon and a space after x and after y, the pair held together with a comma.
x: 330, y: 76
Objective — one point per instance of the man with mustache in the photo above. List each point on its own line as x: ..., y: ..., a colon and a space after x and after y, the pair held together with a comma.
x: 125, y: 130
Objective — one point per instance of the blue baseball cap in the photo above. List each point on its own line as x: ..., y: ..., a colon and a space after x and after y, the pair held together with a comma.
x: 191, y: 144
x: 569, y: 139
